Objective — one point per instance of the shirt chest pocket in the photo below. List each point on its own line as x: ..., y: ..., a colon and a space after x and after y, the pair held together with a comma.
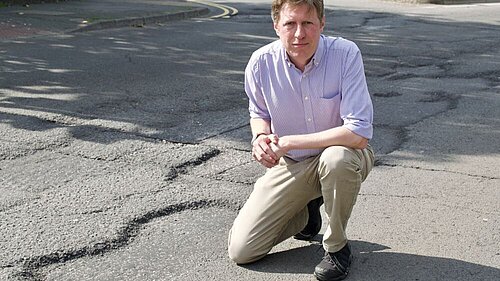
x: 327, y: 112
x: 327, y: 105
x: 326, y: 87
x: 330, y: 95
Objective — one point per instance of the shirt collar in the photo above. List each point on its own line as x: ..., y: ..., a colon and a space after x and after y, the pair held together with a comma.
x: 316, y: 59
x: 287, y: 59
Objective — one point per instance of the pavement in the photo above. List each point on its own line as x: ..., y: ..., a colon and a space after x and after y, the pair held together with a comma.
x: 428, y: 211
x: 77, y: 16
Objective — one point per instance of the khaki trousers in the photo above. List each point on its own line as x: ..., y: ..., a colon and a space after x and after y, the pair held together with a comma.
x: 277, y: 207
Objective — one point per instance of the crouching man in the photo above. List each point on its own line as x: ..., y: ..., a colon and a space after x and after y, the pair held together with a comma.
x: 311, y: 119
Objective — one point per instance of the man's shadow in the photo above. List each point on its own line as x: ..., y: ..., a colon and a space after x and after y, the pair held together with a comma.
x: 371, y: 262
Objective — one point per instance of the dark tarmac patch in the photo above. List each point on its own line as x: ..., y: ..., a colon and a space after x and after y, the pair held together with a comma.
x: 441, y: 96
x: 388, y: 94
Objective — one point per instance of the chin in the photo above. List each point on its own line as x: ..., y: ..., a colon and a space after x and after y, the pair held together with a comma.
x: 300, y: 57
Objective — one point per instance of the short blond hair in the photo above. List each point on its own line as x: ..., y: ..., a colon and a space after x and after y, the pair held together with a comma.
x: 278, y: 4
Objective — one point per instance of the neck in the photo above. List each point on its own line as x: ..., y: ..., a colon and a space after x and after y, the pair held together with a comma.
x: 301, y: 65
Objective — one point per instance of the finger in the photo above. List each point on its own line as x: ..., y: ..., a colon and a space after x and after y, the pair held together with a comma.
x: 270, y: 152
x: 264, y: 162
x: 267, y: 164
x: 260, y: 154
x: 274, y: 138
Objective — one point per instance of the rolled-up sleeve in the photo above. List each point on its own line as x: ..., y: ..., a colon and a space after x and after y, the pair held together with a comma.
x: 257, y: 103
x: 356, y: 109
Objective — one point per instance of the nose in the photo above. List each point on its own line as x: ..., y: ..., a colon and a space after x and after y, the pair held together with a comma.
x: 299, y: 32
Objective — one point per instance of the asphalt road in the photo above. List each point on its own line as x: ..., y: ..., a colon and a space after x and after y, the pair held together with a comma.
x: 124, y: 153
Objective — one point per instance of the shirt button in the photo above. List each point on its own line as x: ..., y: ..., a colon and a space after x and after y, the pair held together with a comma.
x: 306, y: 98
x: 309, y: 119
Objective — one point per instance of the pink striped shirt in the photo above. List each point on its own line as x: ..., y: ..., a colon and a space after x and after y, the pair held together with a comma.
x: 331, y: 91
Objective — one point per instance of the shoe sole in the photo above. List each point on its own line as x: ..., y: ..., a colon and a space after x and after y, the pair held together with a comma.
x: 307, y: 237
x: 303, y: 237
x: 322, y: 278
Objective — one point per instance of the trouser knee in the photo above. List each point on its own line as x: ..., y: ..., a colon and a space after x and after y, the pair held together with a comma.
x: 338, y: 161
x: 241, y: 253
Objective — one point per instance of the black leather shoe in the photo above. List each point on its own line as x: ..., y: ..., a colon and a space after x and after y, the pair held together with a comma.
x: 313, y: 223
x: 334, y: 266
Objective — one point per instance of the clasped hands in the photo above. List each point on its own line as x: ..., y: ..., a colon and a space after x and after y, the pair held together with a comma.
x: 268, y: 149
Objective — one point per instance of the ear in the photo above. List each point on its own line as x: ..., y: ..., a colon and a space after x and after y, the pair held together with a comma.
x: 322, y: 24
x: 275, y: 26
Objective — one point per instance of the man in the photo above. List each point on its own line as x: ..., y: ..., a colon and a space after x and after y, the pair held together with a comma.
x: 311, y: 119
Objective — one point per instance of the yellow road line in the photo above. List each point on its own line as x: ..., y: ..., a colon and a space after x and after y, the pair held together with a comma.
x: 227, y: 11
x: 234, y: 11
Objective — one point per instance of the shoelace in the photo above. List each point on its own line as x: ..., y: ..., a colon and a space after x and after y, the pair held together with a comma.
x: 335, y: 262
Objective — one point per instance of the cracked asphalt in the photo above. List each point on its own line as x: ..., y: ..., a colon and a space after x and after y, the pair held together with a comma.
x: 124, y: 153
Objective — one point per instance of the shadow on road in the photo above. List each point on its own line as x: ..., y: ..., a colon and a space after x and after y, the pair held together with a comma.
x: 376, y: 262
x: 160, y: 83
x: 156, y: 82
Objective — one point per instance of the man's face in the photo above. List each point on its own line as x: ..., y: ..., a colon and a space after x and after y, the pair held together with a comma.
x: 299, y: 29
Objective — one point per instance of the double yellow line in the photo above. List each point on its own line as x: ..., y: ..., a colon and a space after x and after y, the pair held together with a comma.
x: 227, y: 11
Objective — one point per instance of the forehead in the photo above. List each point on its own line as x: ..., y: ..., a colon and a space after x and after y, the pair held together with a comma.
x: 297, y: 12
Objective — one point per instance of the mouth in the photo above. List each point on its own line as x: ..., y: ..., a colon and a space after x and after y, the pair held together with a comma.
x: 299, y: 45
